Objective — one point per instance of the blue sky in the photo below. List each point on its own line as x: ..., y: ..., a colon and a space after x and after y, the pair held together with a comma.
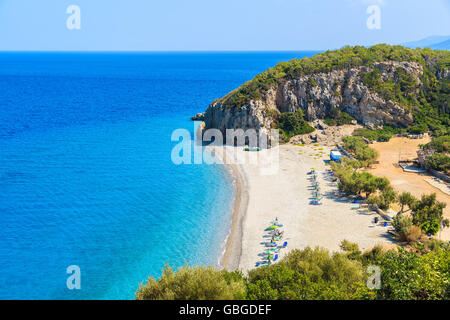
x: 216, y: 24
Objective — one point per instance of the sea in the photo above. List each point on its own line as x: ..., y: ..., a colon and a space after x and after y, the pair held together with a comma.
x: 89, y: 194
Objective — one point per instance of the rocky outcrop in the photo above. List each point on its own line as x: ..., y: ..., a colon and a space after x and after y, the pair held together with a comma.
x: 251, y: 116
x: 317, y: 95
x: 199, y: 117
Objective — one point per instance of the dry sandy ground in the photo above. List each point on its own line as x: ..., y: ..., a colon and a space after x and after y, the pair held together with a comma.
x: 405, y: 148
x: 284, y: 193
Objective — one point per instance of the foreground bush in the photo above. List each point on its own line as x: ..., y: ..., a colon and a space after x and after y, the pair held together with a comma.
x: 401, y: 223
x: 410, y: 276
x: 317, y: 274
x: 309, y: 274
x: 193, y: 283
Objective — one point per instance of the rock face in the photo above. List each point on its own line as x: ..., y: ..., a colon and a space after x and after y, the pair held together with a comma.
x: 251, y: 116
x: 317, y: 95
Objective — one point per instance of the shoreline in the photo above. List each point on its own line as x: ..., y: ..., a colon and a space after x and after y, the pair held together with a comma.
x: 233, y: 247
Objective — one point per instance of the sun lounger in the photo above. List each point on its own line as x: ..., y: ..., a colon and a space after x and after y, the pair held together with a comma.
x: 284, y: 245
x: 271, y: 244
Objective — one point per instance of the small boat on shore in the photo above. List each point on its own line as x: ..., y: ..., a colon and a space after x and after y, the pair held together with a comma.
x: 252, y: 149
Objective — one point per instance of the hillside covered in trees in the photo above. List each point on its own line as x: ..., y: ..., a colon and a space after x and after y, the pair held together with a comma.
x: 377, y: 86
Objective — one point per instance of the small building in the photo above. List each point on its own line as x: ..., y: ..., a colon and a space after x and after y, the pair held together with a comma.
x: 335, y: 155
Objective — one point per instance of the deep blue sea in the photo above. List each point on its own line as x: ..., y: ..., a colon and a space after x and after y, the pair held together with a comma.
x: 86, y: 176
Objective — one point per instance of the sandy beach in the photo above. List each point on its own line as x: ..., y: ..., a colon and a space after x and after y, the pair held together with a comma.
x: 262, y: 195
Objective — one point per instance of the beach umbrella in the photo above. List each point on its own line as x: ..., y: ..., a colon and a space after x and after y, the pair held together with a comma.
x: 272, y: 227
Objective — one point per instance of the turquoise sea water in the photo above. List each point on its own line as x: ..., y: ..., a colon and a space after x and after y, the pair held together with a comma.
x: 86, y: 176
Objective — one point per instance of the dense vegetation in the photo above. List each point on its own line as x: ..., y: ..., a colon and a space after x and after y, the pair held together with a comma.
x: 439, y: 160
x: 194, y: 283
x: 440, y: 144
x: 429, y: 102
x: 426, y: 213
x: 377, y: 190
x: 292, y: 124
x: 422, y: 273
x: 360, y: 150
x: 402, y: 88
x: 382, y: 135
x: 338, y: 118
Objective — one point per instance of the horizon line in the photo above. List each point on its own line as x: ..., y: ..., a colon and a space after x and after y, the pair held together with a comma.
x: 159, y: 51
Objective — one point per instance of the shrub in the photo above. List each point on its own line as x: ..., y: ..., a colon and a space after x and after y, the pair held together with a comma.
x: 411, y: 234
x: 193, y: 283
x: 355, y: 182
x: 312, y: 82
x: 316, y: 274
x: 401, y: 223
x: 410, y: 276
x: 406, y: 199
x: 382, y: 135
x: 438, y: 162
x: 292, y: 123
x: 309, y: 274
x: 439, y: 144
x: 337, y: 117
x: 360, y: 149
x: 384, y: 199
x: 428, y: 214
x: 351, y: 249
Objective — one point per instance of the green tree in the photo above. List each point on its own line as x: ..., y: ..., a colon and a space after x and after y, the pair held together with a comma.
x: 351, y: 249
x: 383, y: 199
x: 428, y: 214
x: 438, y: 162
x: 406, y: 199
x: 193, y: 283
x: 428, y: 101
x: 309, y: 274
x: 292, y: 123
